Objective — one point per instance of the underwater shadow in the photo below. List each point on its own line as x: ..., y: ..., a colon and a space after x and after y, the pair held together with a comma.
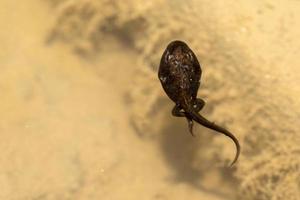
x: 179, y: 149
x: 188, y: 157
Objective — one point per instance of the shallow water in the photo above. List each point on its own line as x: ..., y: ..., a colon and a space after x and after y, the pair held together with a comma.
x: 83, y: 115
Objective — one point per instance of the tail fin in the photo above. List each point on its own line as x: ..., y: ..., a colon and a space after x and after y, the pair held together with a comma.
x: 203, y: 121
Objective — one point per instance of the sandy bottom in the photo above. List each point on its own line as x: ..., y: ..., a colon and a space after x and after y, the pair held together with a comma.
x: 65, y: 131
x: 65, y: 125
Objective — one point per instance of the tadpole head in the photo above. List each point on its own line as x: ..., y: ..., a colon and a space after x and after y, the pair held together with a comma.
x: 178, y: 53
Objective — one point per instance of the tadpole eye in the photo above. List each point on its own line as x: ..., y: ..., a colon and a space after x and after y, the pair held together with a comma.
x: 187, y: 56
x: 168, y: 57
x: 190, y: 56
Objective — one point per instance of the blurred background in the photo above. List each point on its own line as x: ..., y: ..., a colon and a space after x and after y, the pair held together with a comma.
x: 83, y: 115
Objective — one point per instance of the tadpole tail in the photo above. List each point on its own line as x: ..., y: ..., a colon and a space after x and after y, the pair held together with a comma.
x: 203, y: 121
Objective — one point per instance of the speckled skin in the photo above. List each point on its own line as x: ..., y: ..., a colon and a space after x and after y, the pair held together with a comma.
x: 180, y: 73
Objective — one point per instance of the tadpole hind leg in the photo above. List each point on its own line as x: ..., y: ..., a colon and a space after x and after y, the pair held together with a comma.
x: 190, y: 124
x: 199, y: 104
x: 177, y: 111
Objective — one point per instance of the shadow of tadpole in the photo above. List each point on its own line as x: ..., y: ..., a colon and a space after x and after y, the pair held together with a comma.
x: 180, y: 149
x: 190, y: 161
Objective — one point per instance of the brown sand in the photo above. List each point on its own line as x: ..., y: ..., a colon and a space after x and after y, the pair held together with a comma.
x: 86, y: 118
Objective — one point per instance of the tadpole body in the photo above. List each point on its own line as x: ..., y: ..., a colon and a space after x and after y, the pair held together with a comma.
x: 179, y: 73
